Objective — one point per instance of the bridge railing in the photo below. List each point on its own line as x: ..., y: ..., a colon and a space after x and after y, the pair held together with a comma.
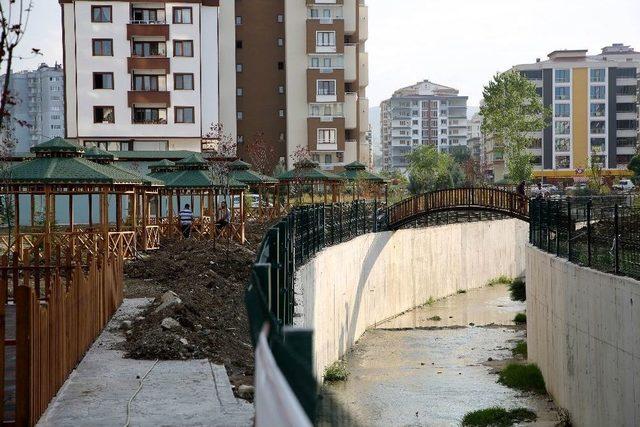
x: 486, y: 198
x: 289, y: 244
x: 601, y: 233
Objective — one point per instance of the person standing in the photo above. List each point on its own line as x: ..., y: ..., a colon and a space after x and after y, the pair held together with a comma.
x: 186, y: 220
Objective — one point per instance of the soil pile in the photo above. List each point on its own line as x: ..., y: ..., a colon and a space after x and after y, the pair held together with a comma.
x: 199, y: 310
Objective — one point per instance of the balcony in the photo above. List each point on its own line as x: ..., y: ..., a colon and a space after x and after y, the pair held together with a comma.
x: 363, y: 30
x: 364, y: 69
x: 137, y: 97
x: 158, y: 63
x: 148, y: 30
x: 364, y: 114
x: 350, y: 62
x: 314, y: 26
x: 351, y: 110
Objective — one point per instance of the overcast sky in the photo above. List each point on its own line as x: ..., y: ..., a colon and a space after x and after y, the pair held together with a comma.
x: 456, y: 43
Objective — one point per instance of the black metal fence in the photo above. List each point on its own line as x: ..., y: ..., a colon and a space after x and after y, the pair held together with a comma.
x: 270, y: 294
x: 602, y: 233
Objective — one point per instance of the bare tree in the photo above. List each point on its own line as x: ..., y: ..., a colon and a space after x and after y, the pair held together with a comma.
x: 262, y: 156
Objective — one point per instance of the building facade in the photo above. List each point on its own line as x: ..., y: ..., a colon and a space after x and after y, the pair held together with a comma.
x: 302, y: 73
x: 423, y: 114
x: 38, y: 114
x: 595, y: 111
x: 148, y: 75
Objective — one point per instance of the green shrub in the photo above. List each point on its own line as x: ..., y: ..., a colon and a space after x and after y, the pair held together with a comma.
x: 520, y: 319
x: 520, y: 349
x: 518, y: 290
x: 430, y: 301
x: 497, y: 417
x: 435, y: 318
x: 336, y: 372
x: 500, y: 280
x: 522, y: 377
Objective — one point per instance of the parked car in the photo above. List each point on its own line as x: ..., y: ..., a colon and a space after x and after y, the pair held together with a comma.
x: 581, y: 186
x: 624, y: 185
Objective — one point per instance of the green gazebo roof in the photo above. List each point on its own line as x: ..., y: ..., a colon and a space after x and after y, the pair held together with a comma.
x: 307, y: 170
x: 241, y: 171
x: 190, y: 172
x: 195, y: 160
x: 106, y: 158
x: 358, y: 171
x: 59, y: 162
x: 98, y: 154
x: 163, y: 165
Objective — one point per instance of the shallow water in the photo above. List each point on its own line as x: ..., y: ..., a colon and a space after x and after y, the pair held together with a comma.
x: 436, y: 373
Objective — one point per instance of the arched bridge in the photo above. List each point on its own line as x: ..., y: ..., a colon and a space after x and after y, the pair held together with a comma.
x: 458, y: 199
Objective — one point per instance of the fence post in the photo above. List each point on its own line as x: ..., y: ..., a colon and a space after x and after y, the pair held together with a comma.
x: 375, y: 215
x: 616, y: 239
x: 548, y: 222
x: 355, y: 233
x: 589, y: 233
x: 539, y: 242
x: 569, y: 226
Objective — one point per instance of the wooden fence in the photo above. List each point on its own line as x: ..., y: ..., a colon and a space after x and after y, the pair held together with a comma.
x: 55, y: 307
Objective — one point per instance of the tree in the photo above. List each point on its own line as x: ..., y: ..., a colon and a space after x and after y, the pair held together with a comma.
x: 262, y: 156
x: 512, y: 112
x: 431, y: 170
x: 634, y: 166
x: 397, y: 186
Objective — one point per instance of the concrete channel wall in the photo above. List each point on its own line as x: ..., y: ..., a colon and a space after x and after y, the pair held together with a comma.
x: 583, y: 331
x: 350, y: 287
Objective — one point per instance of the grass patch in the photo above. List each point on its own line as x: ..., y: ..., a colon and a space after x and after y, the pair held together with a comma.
x: 435, y: 318
x: 520, y: 319
x: 500, y: 280
x: 522, y: 377
x: 336, y: 372
x: 462, y: 291
x: 498, y: 417
x: 431, y: 301
x: 520, y: 349
x: 518, y: 290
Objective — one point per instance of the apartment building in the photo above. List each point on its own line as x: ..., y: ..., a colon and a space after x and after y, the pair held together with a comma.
x: 151, y: 75
x: 38, y: 114
x: 422, y: 114
x: 595, y: 111
x: 302, y: 73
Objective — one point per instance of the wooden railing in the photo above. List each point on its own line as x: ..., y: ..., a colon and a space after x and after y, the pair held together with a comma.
x: 457, y: 199
x: 52, y: 310
x: 151, y: 238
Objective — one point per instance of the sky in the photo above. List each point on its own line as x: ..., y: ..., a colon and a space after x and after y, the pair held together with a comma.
x: 460, y: 43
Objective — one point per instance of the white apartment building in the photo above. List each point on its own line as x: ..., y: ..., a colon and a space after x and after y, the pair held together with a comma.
x: 148, y: 75
x: 38, y: 114
x: 423, y: 114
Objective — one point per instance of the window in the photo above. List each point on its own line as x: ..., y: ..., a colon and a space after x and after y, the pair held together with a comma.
x: 238, y: 20
x: 280, y: 65
x: 55, y: 127
x: 626, y: 90
x: 598, y: 109
x: 562, y: 110
x: 626, y: 73
x: 598, y: 92
x: 597, y: 75
x: 563, y: 162
x: 627, y: 107
x: 55, y: 117
x: 239, y: 115
x: 598, y: 145
x: 150, y: 116
x: 145, y: 49
x: 563, y: 76
x: 327, y: 158
x: 626, y: 142
x: 182, y: 15
x: 563, y: 144
x: 562, y: 128
x: 280, y: 41
x: 239, y: 91
x: 148, y: 16
x: 624, y: 158
x: 627, y: 124
x: 280, y: 89
x: 326, y: 87
x: 102, y: 47
x: 327, y: 136
x: 326, y: 39
x: 185, y: 115
x: 532, y: 74
x: 183, y: 81
x: 183, y: 48
x: 563, y: 93
x: 280, y: 113
x: 239, y: 68
x: 597, y: 127
x: 315, y: 62
x: 103, y: 115
x: 240, y: 139
x: 238, y: 44
x: 280, y: 18
x: 101, y: 14
x: 149, y: 83
x: 103, y: 80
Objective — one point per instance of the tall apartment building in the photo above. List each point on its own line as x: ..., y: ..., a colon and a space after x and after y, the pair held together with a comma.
x: 423, y: 114
x: 595, y: 111
x: 38, y: 114
x: 302, y: 73
x: 151, y: 75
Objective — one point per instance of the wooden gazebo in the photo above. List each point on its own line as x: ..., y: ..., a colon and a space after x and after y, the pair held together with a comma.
x: 142, y: 201
x: 306, y: 174
x: 264, y: 186
x: 35, y: 188
x: 364, y: 183
x: 192, y: 180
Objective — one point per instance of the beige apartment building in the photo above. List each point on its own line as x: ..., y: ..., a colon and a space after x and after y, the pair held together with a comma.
x: 302, y: 73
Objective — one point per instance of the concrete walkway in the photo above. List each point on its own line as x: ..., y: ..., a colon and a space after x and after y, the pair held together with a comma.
x: 185, y: 393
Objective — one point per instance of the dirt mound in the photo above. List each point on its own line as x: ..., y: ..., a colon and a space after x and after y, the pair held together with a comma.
x: 205, y: 316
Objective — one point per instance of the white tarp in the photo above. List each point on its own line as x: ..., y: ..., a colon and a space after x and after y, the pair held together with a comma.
x: 275, y: 403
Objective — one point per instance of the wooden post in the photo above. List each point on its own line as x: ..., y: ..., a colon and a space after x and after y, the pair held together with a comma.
x: 71, y: 219
x: 33, y: 209
x: 118, y: 212
x: 16, y: 197
x: 91, y: 211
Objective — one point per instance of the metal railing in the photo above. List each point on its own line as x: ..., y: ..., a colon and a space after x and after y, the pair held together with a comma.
x: 270, y: 294
x: 602, y: 233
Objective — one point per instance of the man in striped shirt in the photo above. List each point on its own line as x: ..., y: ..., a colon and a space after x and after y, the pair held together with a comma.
x: 186, y: 219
